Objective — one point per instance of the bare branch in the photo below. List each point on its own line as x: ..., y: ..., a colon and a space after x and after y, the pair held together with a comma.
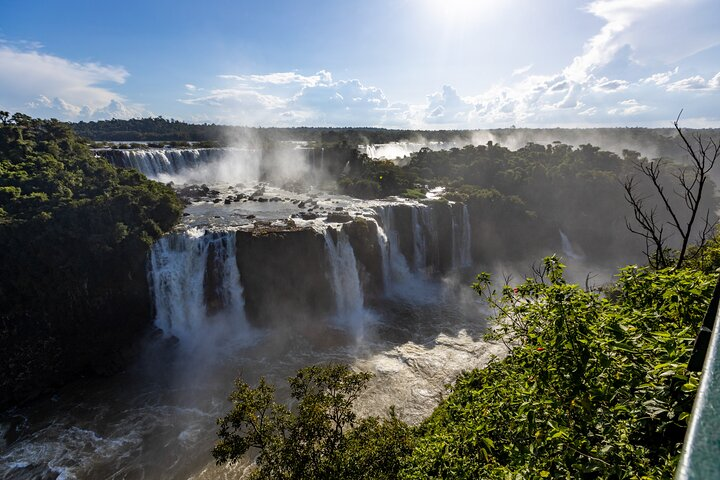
x: 691, y: 182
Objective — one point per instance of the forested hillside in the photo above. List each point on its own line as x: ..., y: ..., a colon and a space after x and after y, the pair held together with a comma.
x: 74, y: 232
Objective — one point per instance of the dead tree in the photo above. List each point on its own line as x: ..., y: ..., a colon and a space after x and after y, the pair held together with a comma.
x: 680, y: 219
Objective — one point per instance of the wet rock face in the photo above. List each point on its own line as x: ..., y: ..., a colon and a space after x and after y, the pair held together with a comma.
x: 284, y: 275
x: 363, y: 237
x: 425, y: 235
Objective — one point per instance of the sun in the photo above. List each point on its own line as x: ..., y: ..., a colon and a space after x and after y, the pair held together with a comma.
x: 457, y: 12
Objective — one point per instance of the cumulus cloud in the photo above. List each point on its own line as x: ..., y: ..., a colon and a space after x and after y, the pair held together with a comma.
x: 283, y: 78
x: 660, y: 78
x: 628, y: 107
x: 630, y: 70
x: 49, y: 85
x: 696, y: 82
x: 294, y: 99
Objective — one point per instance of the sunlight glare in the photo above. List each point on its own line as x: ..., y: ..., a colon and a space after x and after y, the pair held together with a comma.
x: 451, y: 12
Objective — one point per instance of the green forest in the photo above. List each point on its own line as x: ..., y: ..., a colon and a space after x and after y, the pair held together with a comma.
x: 74, y: 232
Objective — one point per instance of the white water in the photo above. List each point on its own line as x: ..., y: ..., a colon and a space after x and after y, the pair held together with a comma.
x: 178, y: 264
x: 461, y: 240
x: 346, y: 282
x: 568, y: 249
x: 164, y: 163
x: 394, y: 262
x: 399, y: 152
x: 227, y: 165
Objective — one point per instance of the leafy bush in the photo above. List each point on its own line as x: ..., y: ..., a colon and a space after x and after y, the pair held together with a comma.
x: 321, y: 438
x: 595, y: 386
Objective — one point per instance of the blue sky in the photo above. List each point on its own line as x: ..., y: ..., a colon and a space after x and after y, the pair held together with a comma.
x: 393, y: 63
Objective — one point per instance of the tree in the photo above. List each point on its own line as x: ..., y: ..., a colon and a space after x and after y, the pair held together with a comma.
x: 681, y: 219
x: 595, y: 386
x: 309, y: 443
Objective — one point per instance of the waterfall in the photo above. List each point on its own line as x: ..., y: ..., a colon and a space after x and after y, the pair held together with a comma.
x: 345, y: 281
x: 461, y: 239
x: 394, y: 262
x: 384, y: 247
x: 193, y: 277
x: 419, y: 220
x: 466, y: 239
x: 156, y: 162
x: 200, y: 165
x: 567, y: 247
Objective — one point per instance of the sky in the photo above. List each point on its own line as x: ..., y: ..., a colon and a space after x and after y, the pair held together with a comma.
x: 416, y: 64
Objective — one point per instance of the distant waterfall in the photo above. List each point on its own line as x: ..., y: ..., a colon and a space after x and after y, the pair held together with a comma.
x: 345, y: 280
x: 567, y: 247
x: 194, y: 276
x: 384, y: 247
x: 154, y: 163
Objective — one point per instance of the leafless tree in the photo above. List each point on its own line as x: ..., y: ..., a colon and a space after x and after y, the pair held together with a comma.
x: 691, y: 182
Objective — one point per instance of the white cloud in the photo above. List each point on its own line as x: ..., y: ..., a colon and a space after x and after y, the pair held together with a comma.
x: 627, y: 71
x: 53, y: 86
x: 522, y: 70
x: 660, y: 78
x: 283, y: 78
x: 293, y: 99
x: 605, y: 85
x: 628, y: 107
x: 696, y: 82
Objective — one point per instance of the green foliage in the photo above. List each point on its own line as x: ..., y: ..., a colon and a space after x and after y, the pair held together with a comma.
x: 377, y: 178
x: 595, y: 386
x: 318, y: 440
x: 74, y: 233
x: 414, y: 194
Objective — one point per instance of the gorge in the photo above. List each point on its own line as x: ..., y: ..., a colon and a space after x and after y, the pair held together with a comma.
x: 261, y: 280
x: 270, y: 267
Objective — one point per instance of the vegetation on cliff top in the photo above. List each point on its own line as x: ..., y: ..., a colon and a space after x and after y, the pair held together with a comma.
x: 74, y: 232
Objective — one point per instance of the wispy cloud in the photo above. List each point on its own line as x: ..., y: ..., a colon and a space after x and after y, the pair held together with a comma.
x: 522, y: 70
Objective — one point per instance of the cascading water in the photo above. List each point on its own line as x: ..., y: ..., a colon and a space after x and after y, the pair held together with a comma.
x: 567, y: 247
x: 461, y: 239
x: 155, y: 163
x: 419, y: 221
x: 384, y: 246
x: 395, y: 266
x: 188, y: 272
x: 345, y: 281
